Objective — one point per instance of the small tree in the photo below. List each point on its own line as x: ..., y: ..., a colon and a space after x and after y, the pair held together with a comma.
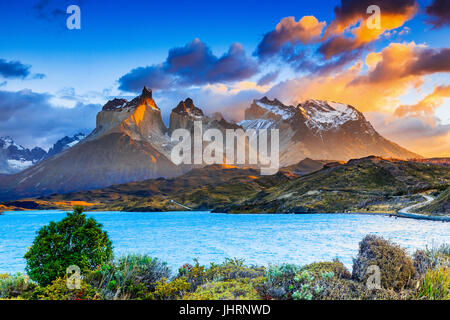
x: 75, y: 240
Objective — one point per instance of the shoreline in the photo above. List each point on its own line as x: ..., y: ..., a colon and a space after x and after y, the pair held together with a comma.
x: 394, y: 215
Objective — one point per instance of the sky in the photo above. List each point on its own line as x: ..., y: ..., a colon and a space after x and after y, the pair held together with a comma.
x: 224, y: 54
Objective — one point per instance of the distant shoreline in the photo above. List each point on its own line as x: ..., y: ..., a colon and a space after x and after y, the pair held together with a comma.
x: 394, y: 215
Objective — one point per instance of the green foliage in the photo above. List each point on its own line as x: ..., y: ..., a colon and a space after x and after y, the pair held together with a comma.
x: 13, y: 286
x: 130, y: 277
x: 237, y: 289
x: 169, y: 290
x: 328, y: 269
x: 280, y: 281
x: 58, y: 290
x: 75, y: 240
x: 396, y: 267
x: 435, y: 285
x: 230, y: 269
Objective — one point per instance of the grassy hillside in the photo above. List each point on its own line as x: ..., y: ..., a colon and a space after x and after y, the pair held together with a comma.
x: 370, y: 184
x: 440, y: 205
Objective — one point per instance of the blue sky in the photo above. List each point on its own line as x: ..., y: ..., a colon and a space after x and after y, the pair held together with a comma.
x: 83, y: 67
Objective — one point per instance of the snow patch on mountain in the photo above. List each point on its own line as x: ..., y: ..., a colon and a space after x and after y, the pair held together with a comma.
x: 285, y: 113
x: 257, y: 124
x: 327, y: 115
x: 19, y: 165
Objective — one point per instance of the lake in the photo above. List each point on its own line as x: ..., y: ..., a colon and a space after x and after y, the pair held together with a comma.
x: 178, y: 237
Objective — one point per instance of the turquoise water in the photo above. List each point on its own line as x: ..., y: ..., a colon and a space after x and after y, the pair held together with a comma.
x: 178, y: 237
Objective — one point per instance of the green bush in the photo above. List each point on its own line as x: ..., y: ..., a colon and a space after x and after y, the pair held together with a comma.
x: 395, y: 266
x: 279, y: 281
x: 169, y: 290
x: 230, y: 269
x: 58, y: 290
x: 238, y: 289
x: 435, y: 285
x: 13, y: 286
x: 75, y: 240
x: 130, y: 277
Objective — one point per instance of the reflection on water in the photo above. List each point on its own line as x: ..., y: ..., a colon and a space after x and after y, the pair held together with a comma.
x: 178, y: 237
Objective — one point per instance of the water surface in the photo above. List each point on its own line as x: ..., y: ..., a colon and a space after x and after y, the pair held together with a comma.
x: 178, y: 237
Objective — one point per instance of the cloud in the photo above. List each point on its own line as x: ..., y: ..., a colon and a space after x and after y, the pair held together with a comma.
x: 268, y: 78
x: 404, y: 60
x: 375, y: 85
x: 425, y: 107
x: 193, y: 64
x: 13, y: 69
x: 349, y: 30
x: 414, y: 133
x: 31, y: 119
x: 439, y: 12
x: 17, y: 70
x: 307, y: 30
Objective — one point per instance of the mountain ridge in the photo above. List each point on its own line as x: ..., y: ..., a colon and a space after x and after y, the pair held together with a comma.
x: 315, y: 129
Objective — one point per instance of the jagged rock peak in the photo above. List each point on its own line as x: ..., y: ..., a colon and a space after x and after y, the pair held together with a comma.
x: 187, y: 107
x: 115, y: 104
x: 265, y: 100
x: 146, y: 93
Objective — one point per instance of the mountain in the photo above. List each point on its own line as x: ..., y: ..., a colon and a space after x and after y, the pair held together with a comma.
x: 128, y: 144
x: 15, y: 158
x: 320, y: 130
x: 131, y: 143
x: 64, y: 143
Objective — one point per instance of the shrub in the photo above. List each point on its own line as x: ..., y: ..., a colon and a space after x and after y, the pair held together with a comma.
x: 169, y: 290
x: 58, y: 290
x: 238, y: 289
x: 395, y: 266
x: 435, y: 285
x: 230, y: 269
x: 75, y: 240
x: 194, y: 274
x: 279, y: 281
x: 130, y: 277
x: 431, y: 258
x: 13, y: 286
x: 335, y: 267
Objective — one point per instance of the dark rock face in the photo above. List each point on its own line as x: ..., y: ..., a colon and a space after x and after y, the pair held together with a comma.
x: 115, y: 104
x: 184, y: 115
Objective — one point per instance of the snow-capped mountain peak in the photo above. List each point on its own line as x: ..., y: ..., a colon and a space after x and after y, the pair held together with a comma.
x: 14, y: 157
x: 65, y: 143
x: 269, y: 109
x: 326, y: 115
x: 6, y: 142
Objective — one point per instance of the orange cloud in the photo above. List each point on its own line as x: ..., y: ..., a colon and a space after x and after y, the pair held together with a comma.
x: 391, y: 73
x: 352, y: 17
x: 425, y: 107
